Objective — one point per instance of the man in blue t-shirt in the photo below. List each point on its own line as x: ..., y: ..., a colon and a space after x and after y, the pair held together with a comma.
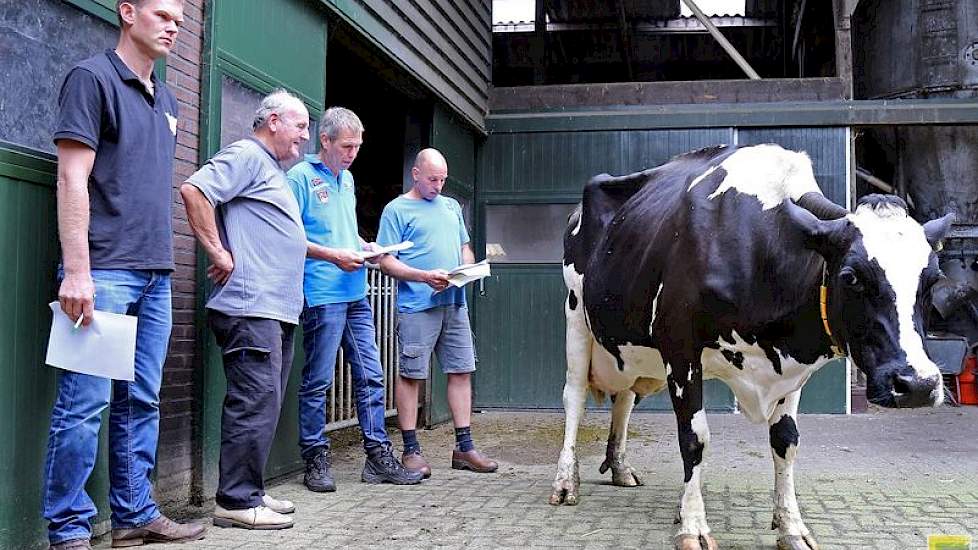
x: 336, y: 308
x: 431, y: 315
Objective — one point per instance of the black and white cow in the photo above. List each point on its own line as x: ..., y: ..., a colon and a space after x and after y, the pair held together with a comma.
x: 710, y: 266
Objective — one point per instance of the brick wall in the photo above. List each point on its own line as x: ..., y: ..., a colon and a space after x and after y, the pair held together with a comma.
x: 177, y: 397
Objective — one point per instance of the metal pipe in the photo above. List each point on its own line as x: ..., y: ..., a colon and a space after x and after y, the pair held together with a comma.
x: 724, y: 43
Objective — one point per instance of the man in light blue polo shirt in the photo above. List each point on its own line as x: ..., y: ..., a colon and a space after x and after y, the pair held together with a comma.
x: 431, y: 316
x: 336, y: 308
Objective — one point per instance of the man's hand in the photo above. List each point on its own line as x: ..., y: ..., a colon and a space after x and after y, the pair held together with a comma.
x: 77, y: 296
x: 347, y: 260
x: 222, y: 264
x: 436, y: 279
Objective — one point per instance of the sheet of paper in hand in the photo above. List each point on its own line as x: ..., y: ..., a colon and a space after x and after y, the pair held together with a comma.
x: 465, y: 274
x: 367, y: 254
x: 106, y: 347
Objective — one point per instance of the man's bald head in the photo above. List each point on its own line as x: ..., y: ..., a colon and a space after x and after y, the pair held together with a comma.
x: 431, y: 157
x: 429, y: 173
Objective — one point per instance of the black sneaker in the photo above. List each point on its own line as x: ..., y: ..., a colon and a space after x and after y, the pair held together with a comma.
x: 382, y: 467
x: 318, y: 478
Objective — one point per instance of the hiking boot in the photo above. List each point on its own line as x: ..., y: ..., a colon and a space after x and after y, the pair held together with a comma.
x: 280, y: 506
x: 318, y: 477
x: 382, y: 467
x: 415, y: 462
x: 473, y: 460
x: 259, y: 517
x: 161, y: 529
x: 74, y: 544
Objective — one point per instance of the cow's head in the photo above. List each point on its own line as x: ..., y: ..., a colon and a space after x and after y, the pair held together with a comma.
x: 880, y: 269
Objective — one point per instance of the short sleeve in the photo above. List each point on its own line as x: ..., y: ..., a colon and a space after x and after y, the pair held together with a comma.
x: 227, y: 175
x: 80, y: 108
x: 390, y: 231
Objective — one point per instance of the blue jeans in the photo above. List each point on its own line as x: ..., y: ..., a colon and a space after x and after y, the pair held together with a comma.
x: 324, y: 328
x: 134, y: 416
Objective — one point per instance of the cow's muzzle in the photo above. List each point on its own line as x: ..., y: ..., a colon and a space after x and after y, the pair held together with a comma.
x: 902, y: 387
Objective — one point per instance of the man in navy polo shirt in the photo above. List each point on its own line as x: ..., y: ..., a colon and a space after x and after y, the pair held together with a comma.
x: 116, y: 136
x: 336, y: 309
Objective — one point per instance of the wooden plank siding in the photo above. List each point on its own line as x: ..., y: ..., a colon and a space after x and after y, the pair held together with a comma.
x: 445, y: 45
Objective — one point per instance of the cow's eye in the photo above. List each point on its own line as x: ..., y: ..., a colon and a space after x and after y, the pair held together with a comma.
x: 848, y: 277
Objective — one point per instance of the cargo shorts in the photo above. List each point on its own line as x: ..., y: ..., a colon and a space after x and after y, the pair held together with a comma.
x: 442, y: 329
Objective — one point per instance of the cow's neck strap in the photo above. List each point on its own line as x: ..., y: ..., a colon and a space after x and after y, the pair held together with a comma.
x: 823, y: 298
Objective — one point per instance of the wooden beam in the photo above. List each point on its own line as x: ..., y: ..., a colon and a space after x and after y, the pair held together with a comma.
x: 904, y: 112
x: 842, y: 12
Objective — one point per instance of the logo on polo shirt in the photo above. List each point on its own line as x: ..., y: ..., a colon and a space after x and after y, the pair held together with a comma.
x: 173, y: 123
x: 320, y: 189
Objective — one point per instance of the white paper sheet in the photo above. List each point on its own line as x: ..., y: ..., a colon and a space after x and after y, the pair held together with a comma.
x: 106, y: 347
x: 366, y: 254
x: 465, y: 274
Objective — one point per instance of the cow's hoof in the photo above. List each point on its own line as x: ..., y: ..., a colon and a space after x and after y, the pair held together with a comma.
x: 622, y: 474
x: 693, y: 542
x: 565, y: 492
x: 797, y: 542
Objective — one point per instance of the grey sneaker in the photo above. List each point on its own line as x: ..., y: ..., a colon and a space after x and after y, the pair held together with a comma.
x: 382, y: 467
x: 318, y: 477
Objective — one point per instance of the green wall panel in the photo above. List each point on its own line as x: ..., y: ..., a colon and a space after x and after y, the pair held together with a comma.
x: 283, y: 41
x: 29, y: 245
x: 562, y: 162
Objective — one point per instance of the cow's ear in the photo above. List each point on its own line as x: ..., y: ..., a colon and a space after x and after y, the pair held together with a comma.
x: 936, y: 230
x: 827, y: 237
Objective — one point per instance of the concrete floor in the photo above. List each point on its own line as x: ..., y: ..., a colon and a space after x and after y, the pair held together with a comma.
x: 885, y: 479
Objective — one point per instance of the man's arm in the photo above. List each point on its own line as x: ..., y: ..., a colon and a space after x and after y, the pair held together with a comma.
x: 468, y: 257
x: 347, y: 260
x: 200, y: 214
x: 77, y: 291
x: 435, y: 278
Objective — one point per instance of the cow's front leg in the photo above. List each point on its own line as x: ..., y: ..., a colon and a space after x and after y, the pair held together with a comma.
x: 567, y: 483
x: 621, y: 473
x: 686, y: 390
x: 792, y: 532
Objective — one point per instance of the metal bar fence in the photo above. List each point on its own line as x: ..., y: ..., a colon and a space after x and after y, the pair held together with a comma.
x: 342, y: 405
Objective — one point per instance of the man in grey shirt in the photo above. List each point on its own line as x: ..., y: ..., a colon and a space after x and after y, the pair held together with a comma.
x: 241, y: 209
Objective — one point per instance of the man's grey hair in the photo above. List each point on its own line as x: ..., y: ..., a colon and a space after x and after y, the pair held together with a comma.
x: 274, y: 102
x: 337, y: 119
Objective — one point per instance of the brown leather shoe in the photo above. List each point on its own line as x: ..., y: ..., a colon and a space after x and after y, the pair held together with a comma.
x: 416, y: 463
x: 75, y: 544
x: 473, y: 460
x: 161, y: 529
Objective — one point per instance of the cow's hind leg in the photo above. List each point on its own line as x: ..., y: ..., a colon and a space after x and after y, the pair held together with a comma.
x: 621, y: 473
x: 685, y: 380
x: 792, y: 532
x: 567, y: 483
